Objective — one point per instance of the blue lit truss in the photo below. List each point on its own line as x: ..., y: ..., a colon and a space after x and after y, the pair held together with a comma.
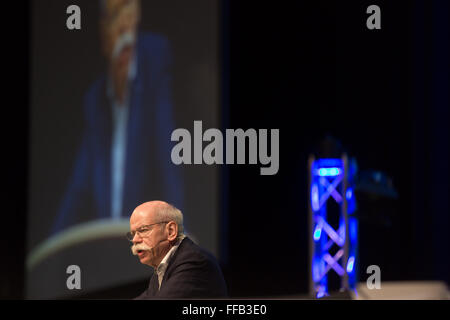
x: 332, y: 180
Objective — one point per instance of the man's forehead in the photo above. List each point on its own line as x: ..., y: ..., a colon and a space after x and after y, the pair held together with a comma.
x: 139, y: 216
x: 112, y: 6
x: 146, y: 213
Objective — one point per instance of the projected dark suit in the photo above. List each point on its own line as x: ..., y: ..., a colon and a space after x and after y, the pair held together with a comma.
x: 192, y: 273
x: 149, y: 172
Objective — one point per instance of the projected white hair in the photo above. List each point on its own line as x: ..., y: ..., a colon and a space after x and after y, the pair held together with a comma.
x: 103, y: 11
x: 171, y: 213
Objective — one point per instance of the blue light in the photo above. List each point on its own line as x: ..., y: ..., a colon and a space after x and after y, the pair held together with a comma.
x: 320, y: 294
x: 349, y: 193
x: 328, y: 163
x: 351, y: 262
x: 329, y: 172
x: 316, y: 270
x: 317, y: 233
x: 353, y: 230
x: 315, y: 197
x: 351, y: 202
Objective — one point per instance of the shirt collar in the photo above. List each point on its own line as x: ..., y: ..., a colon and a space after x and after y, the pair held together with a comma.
x: 162, y: 267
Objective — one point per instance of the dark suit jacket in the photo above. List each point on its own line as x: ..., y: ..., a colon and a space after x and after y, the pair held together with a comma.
x: 149, y: 171
x: 192, y: 273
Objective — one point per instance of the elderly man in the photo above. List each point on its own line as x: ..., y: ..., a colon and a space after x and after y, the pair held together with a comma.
x: 124, y: 155
x: 181, y: 268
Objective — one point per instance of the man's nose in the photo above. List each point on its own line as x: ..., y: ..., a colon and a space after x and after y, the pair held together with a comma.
x: 136, y: 239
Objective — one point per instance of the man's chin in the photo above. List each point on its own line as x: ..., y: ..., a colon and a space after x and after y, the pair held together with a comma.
x: 145, y: 259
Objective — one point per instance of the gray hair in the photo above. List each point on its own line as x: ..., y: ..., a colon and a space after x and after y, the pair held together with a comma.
x: 171, y: 213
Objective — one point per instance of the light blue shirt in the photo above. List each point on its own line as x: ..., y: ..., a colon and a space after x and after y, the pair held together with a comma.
x: 119, y: 143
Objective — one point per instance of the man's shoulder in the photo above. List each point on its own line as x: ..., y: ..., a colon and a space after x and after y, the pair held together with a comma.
x: 93, y: 97
x: 152, y: 43
x: 154, y: 38
x: 194, y: 273
x: 97, y: 86
x: 190, y: 251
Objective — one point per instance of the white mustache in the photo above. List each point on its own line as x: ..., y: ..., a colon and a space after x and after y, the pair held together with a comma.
x: 127, y: 39
x: 139, y: 246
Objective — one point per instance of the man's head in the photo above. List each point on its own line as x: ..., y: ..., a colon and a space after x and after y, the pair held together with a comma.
x: 156, y: 226
x: 118, y: 28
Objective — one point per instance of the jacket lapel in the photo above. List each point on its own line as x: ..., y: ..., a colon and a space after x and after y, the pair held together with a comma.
x: 173, y: 261
x: 153, y: 285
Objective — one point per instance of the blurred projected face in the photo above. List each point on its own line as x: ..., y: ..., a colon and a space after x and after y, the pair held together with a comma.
x: 150, y: 243
x: 118, y: 31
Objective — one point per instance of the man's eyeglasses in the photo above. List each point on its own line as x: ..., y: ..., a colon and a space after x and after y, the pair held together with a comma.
x: 143, y: 231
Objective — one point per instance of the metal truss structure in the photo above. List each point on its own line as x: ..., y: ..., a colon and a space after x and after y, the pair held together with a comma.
x: 331, y: 250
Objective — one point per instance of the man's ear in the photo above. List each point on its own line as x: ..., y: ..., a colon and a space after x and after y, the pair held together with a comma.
x: 172, y: 229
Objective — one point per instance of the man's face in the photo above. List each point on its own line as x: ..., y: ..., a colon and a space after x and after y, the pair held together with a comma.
x: 118, y: 30
x: 152, y: 247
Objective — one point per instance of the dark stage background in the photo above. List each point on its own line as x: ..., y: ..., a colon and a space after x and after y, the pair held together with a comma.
x: 311, y: 69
